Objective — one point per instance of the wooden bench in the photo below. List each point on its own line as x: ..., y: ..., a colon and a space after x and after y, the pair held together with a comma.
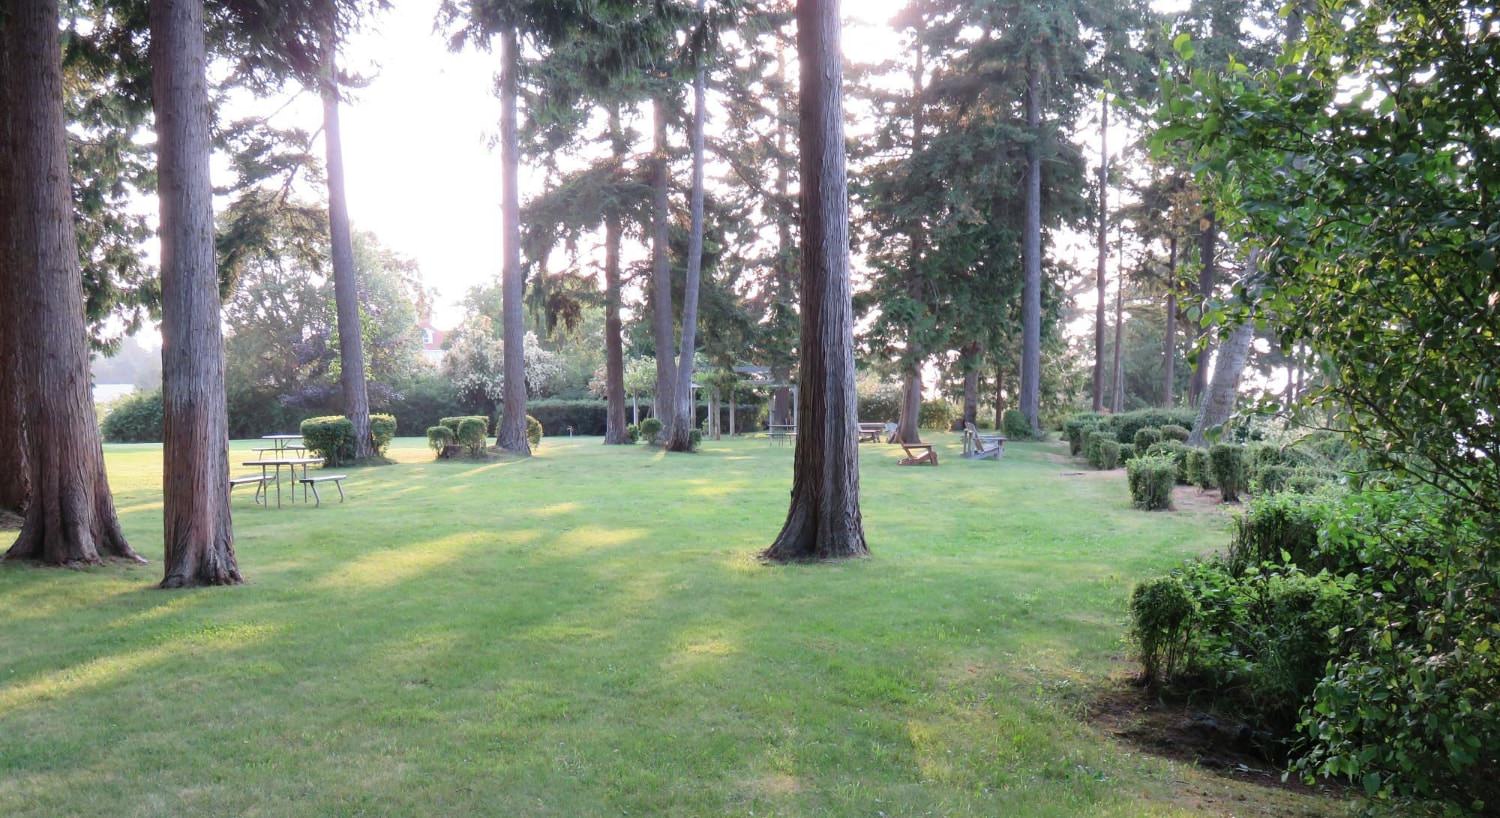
x: 980, y: 445
x: 918, y: 454
x: 258, y: 479
x: 312, y: 483
x: 870, y: 432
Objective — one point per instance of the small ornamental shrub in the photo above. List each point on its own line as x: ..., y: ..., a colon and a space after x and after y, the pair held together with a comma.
x: 439, y: 438
x: 1016, y: 427
x: 651, y: 429
x: 937, y: 415
x: 1109, y: 454
x: 1172, y: 431
x: 1280, y: 528
x: 454, y: 422
x: 1161, y: 615
x: 1308, y: 480
x: 533, y: 431
x: 1126, y: 424
x: 135, y: 418
x: 1145, y: 437
x: 330, y: 437
x: 1269, y: 478
x: 1227, y: 462
x: 473, y: 433
x: 1198, y: 472
x: 1127, y: 452
x: 633, y: 433
x: 1091, y: 443
x: 695, y: 437
x: 382, y: 431
x: 1178, y: 452
x: 1151, y: 478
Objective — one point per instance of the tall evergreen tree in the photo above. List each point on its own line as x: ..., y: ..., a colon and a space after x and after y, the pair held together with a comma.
x: 198, y: 533
x: 71, y: 517
x: 823, y: 521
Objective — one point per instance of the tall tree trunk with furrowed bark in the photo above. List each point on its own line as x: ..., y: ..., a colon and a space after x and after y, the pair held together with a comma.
x: 999, y: 396
x: 71, y: 518
x: 1169, y: 335
x: 970, y: 362
x: 14, y: 486
x: 1217, y: 403
x: 614, y: 347
x: 511, y: 434
x: 679, y: 435
x: 661, y: 269
x: 1100, y: 275
x: 1117, y: 365
x: 341, y: 247
x: 199, y: 536
x: 909, y: 421
x: 823, y: 520
x: 1031, y: 252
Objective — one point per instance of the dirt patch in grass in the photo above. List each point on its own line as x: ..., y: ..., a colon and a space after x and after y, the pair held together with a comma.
x: 1220, y: 745
x: 1200, y: 501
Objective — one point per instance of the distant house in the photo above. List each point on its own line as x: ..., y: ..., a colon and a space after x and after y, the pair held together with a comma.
x: 432, y: 343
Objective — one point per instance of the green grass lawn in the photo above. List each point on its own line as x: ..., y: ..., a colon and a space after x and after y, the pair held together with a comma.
x: 589, y: 633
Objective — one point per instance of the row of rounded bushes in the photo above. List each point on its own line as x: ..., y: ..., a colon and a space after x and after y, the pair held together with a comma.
x: 471, y: 434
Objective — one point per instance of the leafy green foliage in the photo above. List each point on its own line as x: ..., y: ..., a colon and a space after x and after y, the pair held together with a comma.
x: 1196, y: 469
x: 1179, y: 454
x: 938, y: 415
x: 382, y: 432
x: 1161, y: 615
x: 533, y: 431
x: 651, y: 429
x: 439, y: 438
x: 1151, y: 478
x: 472, y: 433
x: 1146, y: 436
x: 135, y: 418
x: 331, y: 438
x: 1172, y: 431
x: 1226, y: 461
x: 1017, y: 428
x: 1280, y: 528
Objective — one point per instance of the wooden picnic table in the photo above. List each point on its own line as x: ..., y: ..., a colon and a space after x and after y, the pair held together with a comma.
x: 291, y: 463
x: 870, y: 432
x: 781, y: 432
x: 280, y: 443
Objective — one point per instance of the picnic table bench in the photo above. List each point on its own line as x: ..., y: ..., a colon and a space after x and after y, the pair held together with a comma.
x: 312, y: 482
x: 781, y: 432
x: 870, y: 432
x: 259, y: 480
x: 291, y: 463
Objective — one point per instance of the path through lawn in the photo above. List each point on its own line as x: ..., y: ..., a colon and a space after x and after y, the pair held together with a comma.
x: 588, y: 633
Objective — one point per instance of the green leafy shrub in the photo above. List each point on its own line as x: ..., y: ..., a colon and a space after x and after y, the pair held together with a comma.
x: 533, y: 431
x: 651, y: 429
x: 1198, y: 472
x: 1151, y: 478
x: 938, y: 415
x: 1172, y: 431
x: 1161, y: 615
x: 1074, y: 429
x: 439, y: 438
x: 1269, y: 478
x: 473, y: 434
x: 1226, y: 462
x: 454, y: 422
x: 1145, y: 437
x: 1412, y: 706
x: 1127, y: 452
x: 1304, y: 480
x: 1279, y: 528
x: 1016, y: 427
x: 1092, y: 441
x: 1178, y: 452
x: 135, y: 418
x: 382, y: 432
x: 1109, y: 454
x: 585, y: 417
x: 330, y: 437
x: 1126, y: 424
x: 695, y: 439
x: 633, y: 433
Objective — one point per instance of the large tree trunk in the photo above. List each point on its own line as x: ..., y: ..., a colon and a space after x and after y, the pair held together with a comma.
x: 1208, y: 239
x: 971, y: 382
x: 345, y: 279
x: 909, y: 421
x: 679, y: 435
x: 511, y: 434
x: 1031, y: 251
x: 661, y: 269
x: 823, y: 520
x: 1117, y: 401
x: 199, y: 537
x: 1217, y: 405
x: 14, y: 488
x: 1169, y: 335
x: 1100, y: 276
x: 71, y: 518
x: 614, y: 347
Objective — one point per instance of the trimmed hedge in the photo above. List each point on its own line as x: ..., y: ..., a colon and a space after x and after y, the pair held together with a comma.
x: 382, y: 431
x: 1178, y: 452
x: 1197, y: 471
x: 1227, y: 462
x: 1126, y: 424
x: 1280, y: 528
x: 439, y: 438
x: 1172, y: 431
x: 938, y: 415
x: 1016, y: 427
x: 1144, y: 438
x: 454, y: 422
x: 1127, y: 452
x: 330, y: 437
x: 473, y: 433
x: 650, y: 429
x: 136, y: 418
x: 533, y: 431
x: 1151, y: 479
